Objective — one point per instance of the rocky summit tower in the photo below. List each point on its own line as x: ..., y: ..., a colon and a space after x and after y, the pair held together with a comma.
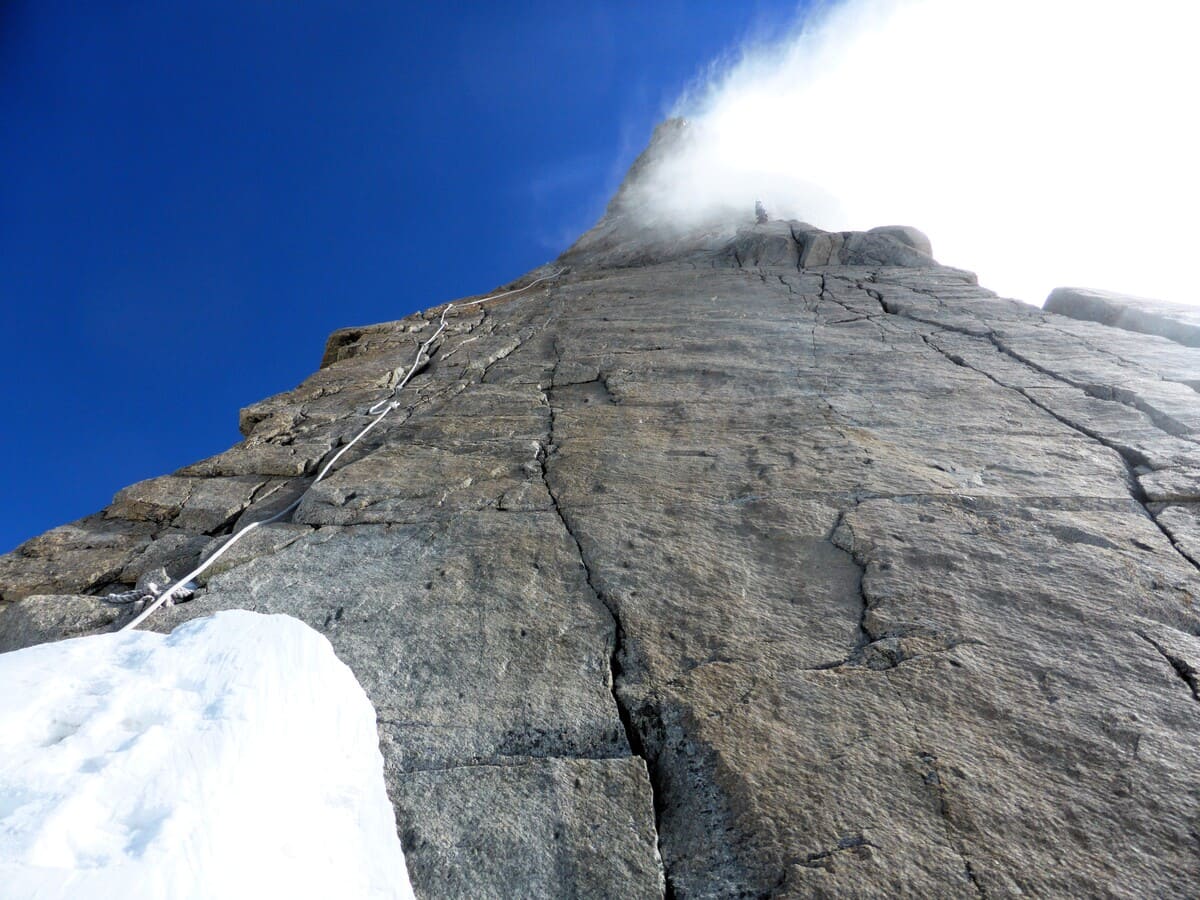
x: 746, y: 561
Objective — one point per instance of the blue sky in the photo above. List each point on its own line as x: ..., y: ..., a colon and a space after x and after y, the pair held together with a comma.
x: 194, y: 194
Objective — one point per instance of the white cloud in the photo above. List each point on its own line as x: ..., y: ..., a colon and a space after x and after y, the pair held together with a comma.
x: 1038, y: 142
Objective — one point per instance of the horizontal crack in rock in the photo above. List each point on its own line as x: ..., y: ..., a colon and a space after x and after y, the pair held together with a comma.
x: 854, y: 844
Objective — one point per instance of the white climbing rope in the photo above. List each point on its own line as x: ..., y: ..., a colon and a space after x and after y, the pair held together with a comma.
x: 380, y: 410
x: 149, y: 595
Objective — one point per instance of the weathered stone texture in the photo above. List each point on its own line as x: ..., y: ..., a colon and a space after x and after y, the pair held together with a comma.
x: 539, y: 827
x: 72, y: 558
x: 41, y: 618
x: 1180, y: 324
x: 706, y: 569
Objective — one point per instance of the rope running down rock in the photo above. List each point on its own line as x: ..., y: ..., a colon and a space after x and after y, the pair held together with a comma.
x: 380, y: 410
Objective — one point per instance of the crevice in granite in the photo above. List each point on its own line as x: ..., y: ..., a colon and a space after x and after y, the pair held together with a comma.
x: 1110, y: 393
x: 854, y: 844
x: 879, y: 651
x: 1181, y: 666
x: 933, y: 780
x: 842, y: 536
x: 632, y: 735
x: 1130, y: 458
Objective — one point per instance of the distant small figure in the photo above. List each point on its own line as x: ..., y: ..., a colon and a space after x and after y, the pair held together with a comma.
x: 760, y: 213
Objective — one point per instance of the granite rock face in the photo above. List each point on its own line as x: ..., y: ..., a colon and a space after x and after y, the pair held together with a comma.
x: 763, y: 562
x: 1177, y: 323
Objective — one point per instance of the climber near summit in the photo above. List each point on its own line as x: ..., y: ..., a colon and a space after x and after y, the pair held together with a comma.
x: 760, y: 213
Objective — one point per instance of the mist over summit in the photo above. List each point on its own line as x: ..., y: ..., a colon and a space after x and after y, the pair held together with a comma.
x: 1036, y: 143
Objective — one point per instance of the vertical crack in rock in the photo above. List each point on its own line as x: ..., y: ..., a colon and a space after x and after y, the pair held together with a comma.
x: 880, y: 650
x: 842, y: 537
x: 632, y: 736
x: 1181, y: 666
x: 933, y: 779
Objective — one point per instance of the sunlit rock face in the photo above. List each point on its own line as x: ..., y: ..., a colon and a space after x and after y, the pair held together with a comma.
x: 748, y: 560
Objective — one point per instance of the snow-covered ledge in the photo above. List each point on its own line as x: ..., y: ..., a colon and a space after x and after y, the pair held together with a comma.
x: 236, y: 757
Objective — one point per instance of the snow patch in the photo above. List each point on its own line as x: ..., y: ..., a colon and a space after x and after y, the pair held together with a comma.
x: 236, y: 757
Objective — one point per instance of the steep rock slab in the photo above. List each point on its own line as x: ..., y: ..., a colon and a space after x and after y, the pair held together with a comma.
x: 475, y: 636
x: 797, y: 715
x: 872, y: 576
x: 744, y: 561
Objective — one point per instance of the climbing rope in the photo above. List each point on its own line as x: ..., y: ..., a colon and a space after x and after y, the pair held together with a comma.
x: 151, y: 593
x: 380, y: 410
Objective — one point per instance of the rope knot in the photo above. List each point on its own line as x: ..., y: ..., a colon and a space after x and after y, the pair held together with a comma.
x: 149, y: 588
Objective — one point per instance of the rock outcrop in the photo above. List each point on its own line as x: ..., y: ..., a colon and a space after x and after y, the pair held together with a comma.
x: 1177, y: 323
x: 752, y: 562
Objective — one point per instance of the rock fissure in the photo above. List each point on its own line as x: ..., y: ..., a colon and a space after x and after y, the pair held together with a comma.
x: 1132, y: 458
x: 633, y: 737
x: 1128, y: 456
x: 1112, y: 394
x: 1109, y: 393
x: 854, y: 844
x: 933, y: 780
x: 842, y: 536
x: 881, y: 650
x: 1181, y: 666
